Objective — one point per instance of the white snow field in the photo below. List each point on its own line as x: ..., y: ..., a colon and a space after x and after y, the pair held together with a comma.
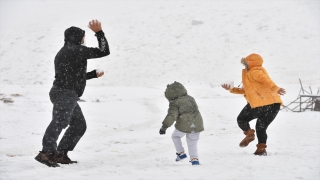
x: 154, y: 43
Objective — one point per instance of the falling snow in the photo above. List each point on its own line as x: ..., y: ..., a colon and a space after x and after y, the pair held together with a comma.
x: 152, y: 44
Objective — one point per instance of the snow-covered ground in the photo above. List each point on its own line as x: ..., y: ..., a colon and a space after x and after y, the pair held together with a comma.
x: 153, y: 43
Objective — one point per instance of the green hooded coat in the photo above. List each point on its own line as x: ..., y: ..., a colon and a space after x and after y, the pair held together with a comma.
x: 183, y: 109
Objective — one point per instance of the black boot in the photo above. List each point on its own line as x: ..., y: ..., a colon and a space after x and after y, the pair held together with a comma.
x: 62, y: 157
x: 47, y: 158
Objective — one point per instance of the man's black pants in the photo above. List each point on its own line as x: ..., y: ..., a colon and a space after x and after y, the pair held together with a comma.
x: 66, y: 112
x: 265, y: 114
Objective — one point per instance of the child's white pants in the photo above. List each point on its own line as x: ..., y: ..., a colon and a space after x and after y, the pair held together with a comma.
x: 192, y: 141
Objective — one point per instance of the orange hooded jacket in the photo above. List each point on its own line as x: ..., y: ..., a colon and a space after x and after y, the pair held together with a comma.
x: 258, y: 88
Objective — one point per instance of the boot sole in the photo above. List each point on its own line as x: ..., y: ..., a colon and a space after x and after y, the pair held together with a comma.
x: 264, y: 154
x: 245, y: 145
x: 46, y: 163
x: 72, y: 162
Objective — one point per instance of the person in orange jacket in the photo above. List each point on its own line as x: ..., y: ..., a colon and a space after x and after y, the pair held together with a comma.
x: 262, y: 95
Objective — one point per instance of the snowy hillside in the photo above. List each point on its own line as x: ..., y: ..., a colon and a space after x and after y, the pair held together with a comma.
x: 153, y: 43
x: 163, y: 36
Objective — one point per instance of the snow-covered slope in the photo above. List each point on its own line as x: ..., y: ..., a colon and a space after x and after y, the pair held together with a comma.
x: 153, y: 43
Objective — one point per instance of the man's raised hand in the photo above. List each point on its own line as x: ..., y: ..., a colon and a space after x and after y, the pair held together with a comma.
x: 99, y: 73
x: 95, y: 26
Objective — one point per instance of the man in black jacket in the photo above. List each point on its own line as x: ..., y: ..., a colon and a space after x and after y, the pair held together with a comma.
x: 69, y: 84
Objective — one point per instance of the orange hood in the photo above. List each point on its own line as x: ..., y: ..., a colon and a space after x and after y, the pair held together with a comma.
x: 254, y: 60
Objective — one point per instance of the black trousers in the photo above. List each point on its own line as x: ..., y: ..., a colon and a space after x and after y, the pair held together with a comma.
x: 66, y: 112
x: 264, y: 115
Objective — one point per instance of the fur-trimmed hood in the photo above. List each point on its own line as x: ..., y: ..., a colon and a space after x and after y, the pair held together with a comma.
x: 254, y: 60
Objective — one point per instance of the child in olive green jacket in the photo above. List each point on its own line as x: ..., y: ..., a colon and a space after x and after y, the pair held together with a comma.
x: 184, y: 111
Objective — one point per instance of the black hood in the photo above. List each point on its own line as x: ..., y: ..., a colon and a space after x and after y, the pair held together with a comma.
x: 73, y: 35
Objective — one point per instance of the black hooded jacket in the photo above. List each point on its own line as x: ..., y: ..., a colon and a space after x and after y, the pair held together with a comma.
x: 71, y: 61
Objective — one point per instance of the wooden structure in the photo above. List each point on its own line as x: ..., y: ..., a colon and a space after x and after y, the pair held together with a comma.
x: 309, y: 99
x: 305, y: 100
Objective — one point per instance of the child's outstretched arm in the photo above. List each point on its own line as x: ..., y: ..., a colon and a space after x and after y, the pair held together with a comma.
x: 170, y: 118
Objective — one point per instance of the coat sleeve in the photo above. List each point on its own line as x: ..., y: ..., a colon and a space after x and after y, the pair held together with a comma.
x: 171, y: 116
x: 103, y: 49
x: 237, y: 91
x: 263, y: 78
x: 92, y: 74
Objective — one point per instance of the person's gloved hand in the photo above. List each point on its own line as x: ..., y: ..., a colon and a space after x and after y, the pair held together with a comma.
x: 162, y: 130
